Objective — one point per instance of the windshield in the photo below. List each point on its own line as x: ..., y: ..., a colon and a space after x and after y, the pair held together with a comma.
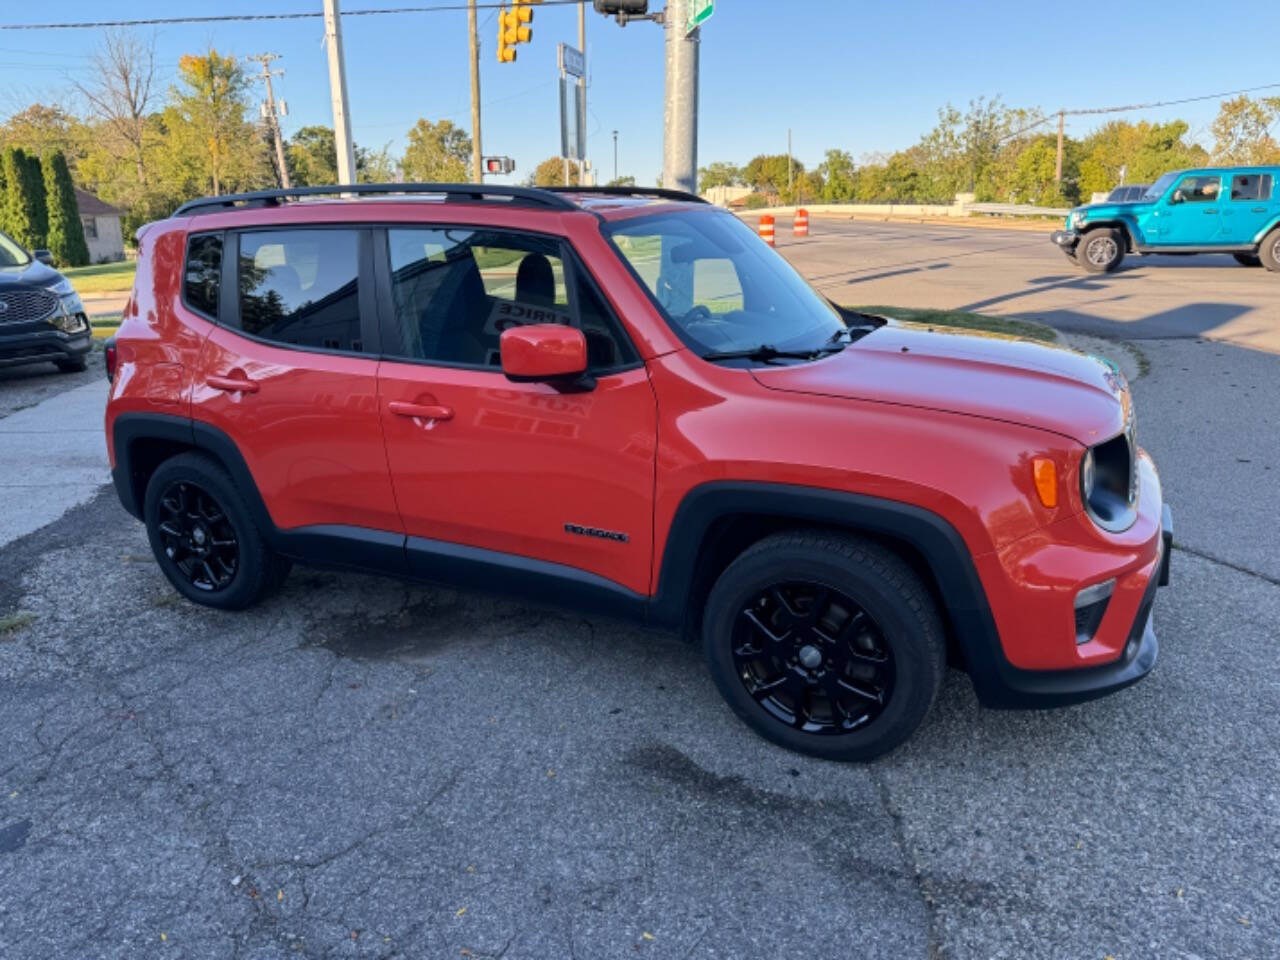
x: 12, y: 255
x: 1157, y: 189
x: 720, y: 286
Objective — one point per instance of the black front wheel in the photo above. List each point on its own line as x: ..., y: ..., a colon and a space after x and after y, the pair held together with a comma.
x: 1269, y: 251
x: 825, y: 643
x: 1100, y: 250
x: 204, y: 538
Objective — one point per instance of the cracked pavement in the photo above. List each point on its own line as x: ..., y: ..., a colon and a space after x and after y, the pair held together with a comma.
x: 360, y: 768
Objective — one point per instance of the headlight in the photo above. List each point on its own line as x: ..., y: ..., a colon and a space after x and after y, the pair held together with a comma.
x: 1077, y: 218
x: 63, y: 287
x: 1087, y: 475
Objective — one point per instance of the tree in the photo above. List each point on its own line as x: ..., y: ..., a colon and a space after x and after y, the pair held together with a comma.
x: 20, y: 214
x: 1242, y: 131
x: 207, y: 115
x: 66, y: 231
x: 719, y: 174
x: 120, y: 95
x: 437, y: 153
x: 39, y: 202
x: 622, y: 182
x: 768, y: 172
x: 41, y: 129
x: 1146, y: 150
x: 550, y: 173
x: 312, y: 156
x: 839, y: 175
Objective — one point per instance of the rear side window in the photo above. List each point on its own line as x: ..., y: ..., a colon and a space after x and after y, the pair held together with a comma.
x: 301, y: 287
x: 1251, y: 186
x: 203, y: 273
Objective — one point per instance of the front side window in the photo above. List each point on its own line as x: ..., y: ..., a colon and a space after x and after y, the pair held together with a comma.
x: 203, y: 273
x: 1251, y: 186
x: 720, y: 286
x: 301, y: 287
x: 1204, y: 189
x: 456, y: 289
x: 11, y: 253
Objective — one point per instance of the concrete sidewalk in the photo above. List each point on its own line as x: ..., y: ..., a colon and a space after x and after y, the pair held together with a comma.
x: 53, y: 457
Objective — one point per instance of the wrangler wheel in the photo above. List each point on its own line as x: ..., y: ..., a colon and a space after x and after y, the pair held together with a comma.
x: 1100, y: 250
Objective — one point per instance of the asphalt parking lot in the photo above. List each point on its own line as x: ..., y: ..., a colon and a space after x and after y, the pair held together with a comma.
x: 360, y: 768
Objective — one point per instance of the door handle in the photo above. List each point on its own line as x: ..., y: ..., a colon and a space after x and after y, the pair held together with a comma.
x: 232, y: 384
x: 422, y: 411
x: 1209, y: 212
x: 1257, y: 209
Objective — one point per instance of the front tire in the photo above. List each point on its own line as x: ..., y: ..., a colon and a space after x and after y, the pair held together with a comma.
x: 824, y: 643
x: 1100, y: 250
x: 203, y: 537
x: 1269, y: 251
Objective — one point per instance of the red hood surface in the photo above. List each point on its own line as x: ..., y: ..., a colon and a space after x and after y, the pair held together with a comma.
x: 982, y: 375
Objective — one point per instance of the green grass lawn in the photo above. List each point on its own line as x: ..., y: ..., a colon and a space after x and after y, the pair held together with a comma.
x: 1026, y: 329
x: 102, y: 277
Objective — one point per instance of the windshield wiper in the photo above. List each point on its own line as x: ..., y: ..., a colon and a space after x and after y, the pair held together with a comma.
x: 766, y: 352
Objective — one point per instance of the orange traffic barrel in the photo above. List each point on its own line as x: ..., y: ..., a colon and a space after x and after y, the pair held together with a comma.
x: 766, y: 229
x: 801, y: 226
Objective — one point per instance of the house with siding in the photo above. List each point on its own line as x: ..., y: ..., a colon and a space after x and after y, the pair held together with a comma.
x: 102, y: 230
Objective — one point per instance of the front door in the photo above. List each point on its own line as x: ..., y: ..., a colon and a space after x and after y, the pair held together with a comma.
x: 290, y: 376
x: 517, y: 470
x: 1247, y: 207
x: 1190, y: 215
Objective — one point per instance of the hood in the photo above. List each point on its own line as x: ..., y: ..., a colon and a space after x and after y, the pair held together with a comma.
x: 33, y: 274
x: 992, y: 376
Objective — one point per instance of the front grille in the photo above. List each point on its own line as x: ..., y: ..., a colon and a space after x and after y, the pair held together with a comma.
x: 27, y: 306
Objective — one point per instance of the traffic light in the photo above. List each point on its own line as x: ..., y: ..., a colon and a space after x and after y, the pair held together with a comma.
x: 513, y: 28
x: 499, y: 165
x: 630, y: 8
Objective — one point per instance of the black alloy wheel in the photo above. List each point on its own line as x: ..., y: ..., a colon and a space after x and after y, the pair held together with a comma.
x: 813, y: 659
x: 198, y: 536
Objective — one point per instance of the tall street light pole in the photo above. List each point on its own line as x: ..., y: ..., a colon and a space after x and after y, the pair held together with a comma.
x: 680, y: 118
x: 338, y: 94
x: 477, y: 173
x: 615, y: 155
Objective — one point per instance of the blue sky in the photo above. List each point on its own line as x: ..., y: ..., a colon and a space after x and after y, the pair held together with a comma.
x: 862, y: 76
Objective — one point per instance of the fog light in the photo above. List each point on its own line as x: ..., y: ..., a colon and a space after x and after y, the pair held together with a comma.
x: 1091, y: 604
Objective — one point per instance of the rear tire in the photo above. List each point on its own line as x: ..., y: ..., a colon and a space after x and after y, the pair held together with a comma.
x: 1100, y: 250
x: 204, y: 538
x: 1269, y: 251
x: 1248, y: 259
x: 825, y: 643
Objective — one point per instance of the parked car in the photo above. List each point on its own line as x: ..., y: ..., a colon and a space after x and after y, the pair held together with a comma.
x: 623, y: 400
x: 41, y: 316
x: 1233, y: 210
x: 1128, y: 193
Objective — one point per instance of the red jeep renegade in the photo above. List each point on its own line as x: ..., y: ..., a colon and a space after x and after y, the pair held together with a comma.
x: 624, y: 401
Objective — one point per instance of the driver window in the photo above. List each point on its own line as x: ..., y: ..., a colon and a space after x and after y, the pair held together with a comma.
x: 1200, y: 189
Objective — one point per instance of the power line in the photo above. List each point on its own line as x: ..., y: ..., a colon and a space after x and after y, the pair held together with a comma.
x: 244, y: 17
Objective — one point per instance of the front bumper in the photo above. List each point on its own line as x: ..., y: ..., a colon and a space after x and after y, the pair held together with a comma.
x: 1065, y: 239
x: 1001, y: 685
x: 45, y: 344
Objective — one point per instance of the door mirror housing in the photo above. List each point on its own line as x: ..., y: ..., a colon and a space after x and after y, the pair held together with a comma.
x: 44, y: 256
x: 546, y: 353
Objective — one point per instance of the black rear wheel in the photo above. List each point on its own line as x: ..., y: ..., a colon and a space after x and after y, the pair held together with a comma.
x: 204, y: 538
x: 824, y: 643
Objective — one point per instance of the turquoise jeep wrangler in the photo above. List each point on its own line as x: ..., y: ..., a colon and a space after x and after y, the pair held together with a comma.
x: 1232, y: 210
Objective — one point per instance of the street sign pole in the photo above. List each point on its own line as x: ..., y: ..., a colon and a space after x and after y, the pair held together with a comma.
x: 680, y: 117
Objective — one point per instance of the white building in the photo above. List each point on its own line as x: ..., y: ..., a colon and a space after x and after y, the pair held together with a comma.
x: 101, y: 228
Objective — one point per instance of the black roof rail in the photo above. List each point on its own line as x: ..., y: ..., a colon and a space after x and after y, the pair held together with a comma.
x: 613, y: 191
x: 525, y: 196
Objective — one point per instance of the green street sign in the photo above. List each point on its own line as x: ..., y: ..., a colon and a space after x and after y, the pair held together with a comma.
x: 699, y: 13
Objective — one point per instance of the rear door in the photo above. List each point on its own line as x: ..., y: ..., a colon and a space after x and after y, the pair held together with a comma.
x: 516, y: 469
x: 1247, y: 207
x: 290, y: 375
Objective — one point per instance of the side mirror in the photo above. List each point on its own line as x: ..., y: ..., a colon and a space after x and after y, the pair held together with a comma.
x: 547, y: 353
x: 44, y: 256
x: 1177, y: 197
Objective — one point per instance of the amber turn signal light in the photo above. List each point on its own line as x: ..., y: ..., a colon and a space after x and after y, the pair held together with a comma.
x: 1046, y: 476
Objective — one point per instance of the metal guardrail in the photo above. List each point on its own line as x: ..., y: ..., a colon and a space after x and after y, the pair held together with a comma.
x: 1016, y: 209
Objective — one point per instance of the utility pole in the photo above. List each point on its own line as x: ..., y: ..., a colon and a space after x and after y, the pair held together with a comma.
x: 680, y: 118
x: 338, y: 94
x: 477, y: 173
x: 615, y: 155
x: 1057, y: 170
x: 582, y: 93
x: 273, y: 119
x: 790, y: 164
